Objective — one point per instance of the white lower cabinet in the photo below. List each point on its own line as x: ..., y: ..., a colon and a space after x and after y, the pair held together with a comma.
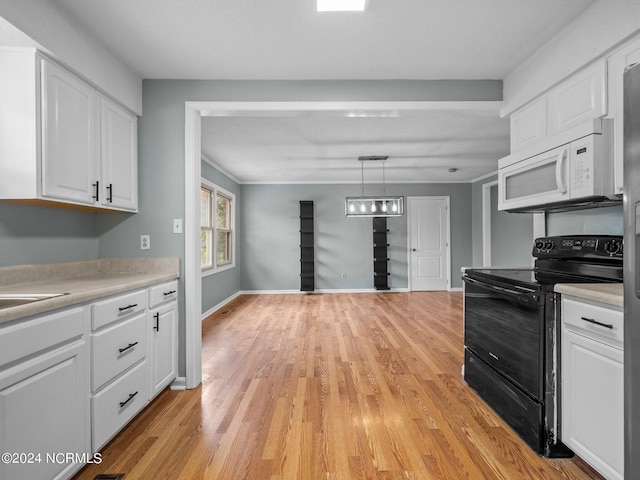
x: 118, y: 403
x: 44, y: 404
x: 71, y: 380
x: 593, y: 384
x: 163, y: 357
x: 163, y: 336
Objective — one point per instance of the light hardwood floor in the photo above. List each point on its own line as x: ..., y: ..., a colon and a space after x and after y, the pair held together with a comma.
x: 328, y: 386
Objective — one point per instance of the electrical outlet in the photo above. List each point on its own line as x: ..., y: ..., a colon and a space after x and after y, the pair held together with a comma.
x: 177, y: 225
x: 145, y: 242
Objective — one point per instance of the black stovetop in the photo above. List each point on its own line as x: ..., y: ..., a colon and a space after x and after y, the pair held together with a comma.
x: 568, y: 259
x: 533, y: 278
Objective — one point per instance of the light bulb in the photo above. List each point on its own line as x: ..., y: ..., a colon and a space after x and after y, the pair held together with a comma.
x: 384, y: 206
x: 352, y: 207
x: 394, y: 207
x: 373, y: 206
x: 363, y: 208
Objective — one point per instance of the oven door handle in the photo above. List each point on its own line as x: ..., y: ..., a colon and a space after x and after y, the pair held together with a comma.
x: 523, y: 295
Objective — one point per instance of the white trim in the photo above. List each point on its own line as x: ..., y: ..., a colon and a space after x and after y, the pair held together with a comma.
x: 215, y: 189
x: 192, y: 281
x: 194, y: 110
x: 485, y: 176
x: 217, y: 307
x: 539, y: 225
x: 350, y: 182
x: 219, y: 168
x: 318, y: 291
x: 180, y: 383
x: 447, y: 200
x: 486, y: 222
x: 349, y: 109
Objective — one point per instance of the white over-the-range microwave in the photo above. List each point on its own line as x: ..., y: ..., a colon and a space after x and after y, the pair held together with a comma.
x: 569, y: 171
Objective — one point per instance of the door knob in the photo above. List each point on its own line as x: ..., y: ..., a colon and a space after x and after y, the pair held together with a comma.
x: 413, y: 250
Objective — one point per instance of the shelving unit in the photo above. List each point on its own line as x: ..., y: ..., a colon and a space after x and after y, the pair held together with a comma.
x: 380, y: 254
x: 307, y: 252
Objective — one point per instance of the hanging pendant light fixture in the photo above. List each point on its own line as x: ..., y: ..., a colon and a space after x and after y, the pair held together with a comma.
x: 374, y: 206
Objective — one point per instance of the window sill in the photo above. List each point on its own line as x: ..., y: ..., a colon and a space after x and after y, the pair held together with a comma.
x: 213, y: 271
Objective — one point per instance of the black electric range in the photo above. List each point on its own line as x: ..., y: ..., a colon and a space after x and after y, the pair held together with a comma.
x: 511, y: 340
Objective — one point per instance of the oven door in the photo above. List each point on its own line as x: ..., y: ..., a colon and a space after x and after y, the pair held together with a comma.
x: 504, y: 327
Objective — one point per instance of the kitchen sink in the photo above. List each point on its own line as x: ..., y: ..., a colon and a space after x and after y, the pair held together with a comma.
x: 14, y: 299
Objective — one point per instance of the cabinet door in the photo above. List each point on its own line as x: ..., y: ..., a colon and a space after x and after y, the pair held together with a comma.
x: 617, y: 63
x: 580, y: 98
x: 529, y: 125
x: 163, y: 365
x: 593, y: 402
x: 44, y: 406
x: 119, y: 160
x: 69, y: 137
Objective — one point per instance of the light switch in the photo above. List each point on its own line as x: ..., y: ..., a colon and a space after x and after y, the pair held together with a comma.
x: 177, y: 225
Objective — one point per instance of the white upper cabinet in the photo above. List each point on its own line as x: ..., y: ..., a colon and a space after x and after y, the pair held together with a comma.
x: 119, y: 157
x: 529, y: 125
x: 577, y: 99
x: 63, y: 140
x: 69, y: 137
x: 617, y: 63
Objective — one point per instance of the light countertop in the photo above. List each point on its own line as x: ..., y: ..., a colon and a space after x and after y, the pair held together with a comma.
x: 609, y: 293
x: 81, y: 281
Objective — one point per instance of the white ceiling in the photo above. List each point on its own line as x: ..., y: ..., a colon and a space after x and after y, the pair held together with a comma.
x: 287, y: 39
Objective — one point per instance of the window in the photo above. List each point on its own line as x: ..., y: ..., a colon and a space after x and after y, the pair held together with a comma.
x: 216, y: 228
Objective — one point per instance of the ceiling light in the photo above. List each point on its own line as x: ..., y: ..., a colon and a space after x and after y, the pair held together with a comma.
x: 340, y: 5
x: 379, y: 206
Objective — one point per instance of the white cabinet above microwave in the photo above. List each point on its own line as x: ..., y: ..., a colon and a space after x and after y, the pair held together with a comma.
x: 569, y: 171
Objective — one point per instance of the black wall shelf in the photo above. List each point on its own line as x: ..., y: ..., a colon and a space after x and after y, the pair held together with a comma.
x: 380, y: 254
x: 307, y: 251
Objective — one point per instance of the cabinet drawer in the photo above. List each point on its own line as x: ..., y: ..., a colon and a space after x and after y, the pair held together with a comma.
x: 116, y: 349
x: 114, y: 406
x: 163, y: 293
x: 35, y: 334
x: 581, y: 315
x: 117, y: 308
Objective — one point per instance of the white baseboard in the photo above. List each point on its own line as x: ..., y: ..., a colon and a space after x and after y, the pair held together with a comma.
x: 220, y: 305
x: 179, y: 383
x: 292, y: 292
x: 320, y: 290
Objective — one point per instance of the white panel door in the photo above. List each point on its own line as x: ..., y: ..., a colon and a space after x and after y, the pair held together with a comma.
x: 429, y: 242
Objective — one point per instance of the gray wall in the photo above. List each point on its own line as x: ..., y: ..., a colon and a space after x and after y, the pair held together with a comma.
x: 39, y: 234
x: 511, y: 233
x: 30, y: 234
x: 270, y: 254
x: 511, y: 236
x: 217, y: 287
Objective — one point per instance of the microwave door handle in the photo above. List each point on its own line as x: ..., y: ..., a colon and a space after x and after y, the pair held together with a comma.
x: 562, y: 157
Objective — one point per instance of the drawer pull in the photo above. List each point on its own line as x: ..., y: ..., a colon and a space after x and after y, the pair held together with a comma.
x: 157, y: 317
x: 122, y: 309
x: 591, y: 320
x: 131, y: 395
x: 131, y: 345
x: 169, y: 293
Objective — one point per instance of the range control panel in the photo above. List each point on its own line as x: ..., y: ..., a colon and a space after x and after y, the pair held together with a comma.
x: 579, y: 246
